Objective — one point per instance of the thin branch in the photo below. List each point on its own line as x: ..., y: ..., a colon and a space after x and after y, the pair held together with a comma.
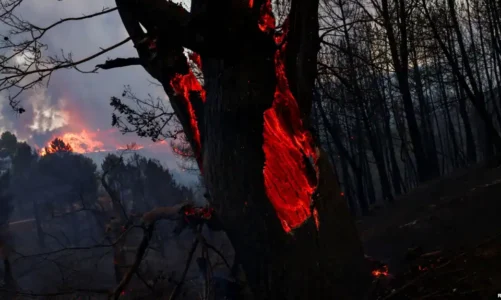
x: 175, y: 293
x: 119, y: 63
x: 148, y: 233
x: 71, y: 64
x: 104, y: 11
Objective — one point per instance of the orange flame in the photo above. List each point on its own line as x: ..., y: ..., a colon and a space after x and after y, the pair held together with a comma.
x: 85, y: 142
x: 286, y: 143
x: 184, y: 85
x: 82, y: 142
x: 383, y: 271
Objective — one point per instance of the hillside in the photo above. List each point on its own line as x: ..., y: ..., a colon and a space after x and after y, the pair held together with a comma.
x: 441, y: 241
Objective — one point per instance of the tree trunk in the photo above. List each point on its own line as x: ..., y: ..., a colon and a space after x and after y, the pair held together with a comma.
x: 378, y: 155
x: 332, y: 128
x: 278, y: 265
x: 400, y: 57
x: 426, y: 125
x: 38, y: 221
x: 273, y: 189
x: 476, y: 98
x: 396, y: 178
x: 9, y: 289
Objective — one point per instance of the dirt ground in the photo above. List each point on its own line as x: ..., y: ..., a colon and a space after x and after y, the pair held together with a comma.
x: 441, y: 241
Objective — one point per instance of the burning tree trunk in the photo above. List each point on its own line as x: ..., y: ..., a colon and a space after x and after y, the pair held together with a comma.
x: 272, y: 187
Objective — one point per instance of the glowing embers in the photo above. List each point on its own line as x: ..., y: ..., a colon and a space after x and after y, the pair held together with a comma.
x: 196, y: 59
x: 317, y: 220
x: 184, y: 85
x: 381, y: 272
x: 267, y: 21
x: 198, y: 212
x: 286, y: 146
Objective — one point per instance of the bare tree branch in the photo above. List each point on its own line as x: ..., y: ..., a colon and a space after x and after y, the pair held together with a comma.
x: 119, y: 63
x: 147, y: 234
x: 175, y: 293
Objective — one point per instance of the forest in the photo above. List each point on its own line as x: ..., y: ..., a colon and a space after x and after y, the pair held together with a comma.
x: 345, y: 149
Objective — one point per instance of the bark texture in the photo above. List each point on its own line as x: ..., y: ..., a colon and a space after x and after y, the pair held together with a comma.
x: 321, y: 259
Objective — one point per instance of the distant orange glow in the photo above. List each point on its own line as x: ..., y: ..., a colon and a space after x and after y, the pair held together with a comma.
x: 82, y: 142
x: 89, y: 142
x: 132, y: 146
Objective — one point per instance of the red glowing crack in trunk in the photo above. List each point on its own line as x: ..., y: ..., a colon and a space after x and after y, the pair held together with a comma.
x: 195, y: 58
x: 286, y: 142
x: 183, y: 85
x: 267, y: 21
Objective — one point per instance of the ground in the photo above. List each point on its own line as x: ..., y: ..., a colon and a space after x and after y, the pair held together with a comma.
x: 440, y: 241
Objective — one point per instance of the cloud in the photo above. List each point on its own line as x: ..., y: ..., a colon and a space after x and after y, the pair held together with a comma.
x: 47, y: 116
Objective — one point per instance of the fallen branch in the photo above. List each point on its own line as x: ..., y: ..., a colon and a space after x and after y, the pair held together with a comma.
x: 202, y: 239
x: 163, y: 213
x: 55, y: 294
x: 148, y: 233
x: 179, y: 285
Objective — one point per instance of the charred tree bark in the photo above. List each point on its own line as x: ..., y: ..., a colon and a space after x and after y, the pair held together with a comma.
x: 400, y: 58
x: 234, y: 124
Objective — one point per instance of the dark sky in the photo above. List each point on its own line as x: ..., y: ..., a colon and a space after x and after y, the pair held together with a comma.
x: 76, y: 106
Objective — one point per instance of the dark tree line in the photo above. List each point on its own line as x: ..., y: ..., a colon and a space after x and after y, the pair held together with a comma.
x: 71, y: 202
x: 407, y: 91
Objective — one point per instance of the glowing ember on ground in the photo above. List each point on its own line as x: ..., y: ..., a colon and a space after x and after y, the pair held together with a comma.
x: 382, y: 271
x: 286, y: 143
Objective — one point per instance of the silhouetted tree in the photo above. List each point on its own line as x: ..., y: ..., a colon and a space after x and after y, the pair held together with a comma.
x: 5, y: 199
x: 57, y: 145
x: 73, y: 184
x: 8, y: 144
